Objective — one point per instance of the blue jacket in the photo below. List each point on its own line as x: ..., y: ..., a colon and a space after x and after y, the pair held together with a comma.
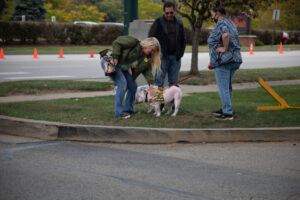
x: 233, y: 54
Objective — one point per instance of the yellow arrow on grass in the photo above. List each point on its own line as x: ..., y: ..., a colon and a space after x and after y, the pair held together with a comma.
x: 282, y: 103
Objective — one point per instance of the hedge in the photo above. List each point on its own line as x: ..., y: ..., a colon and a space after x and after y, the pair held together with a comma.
x: 54, y: 33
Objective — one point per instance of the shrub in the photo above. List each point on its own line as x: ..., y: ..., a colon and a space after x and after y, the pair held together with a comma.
x: 202, y: 36
x: 49, y: 33
x: 75, y: 33
x: 33, y: 31
x: 6, y: 32
x: 259, y: 43
x: 98, y: 33
x: 87, y: 34
x: 61, y: 32
x: 110, y: 33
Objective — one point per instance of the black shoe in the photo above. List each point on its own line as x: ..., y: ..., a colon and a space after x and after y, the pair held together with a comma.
x: 224, y: 117
x: 218, y: 112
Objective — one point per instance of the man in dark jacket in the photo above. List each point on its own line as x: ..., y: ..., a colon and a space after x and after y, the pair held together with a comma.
x: 169, y: 31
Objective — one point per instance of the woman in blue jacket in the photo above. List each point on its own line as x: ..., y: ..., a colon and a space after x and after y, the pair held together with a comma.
x: 225, y: 58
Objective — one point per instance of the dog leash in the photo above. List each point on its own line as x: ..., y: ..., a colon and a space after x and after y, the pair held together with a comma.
x: 180, y: 81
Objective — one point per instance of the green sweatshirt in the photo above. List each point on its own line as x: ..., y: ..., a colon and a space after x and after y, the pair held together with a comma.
x: 128, y: 52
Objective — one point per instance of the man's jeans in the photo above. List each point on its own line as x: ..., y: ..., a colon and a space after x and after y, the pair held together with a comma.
x: 170, y: 66
x: 124, y: 82
x: 224, y: 74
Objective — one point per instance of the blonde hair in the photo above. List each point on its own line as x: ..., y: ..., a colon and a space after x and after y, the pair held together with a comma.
x: 155, y: 56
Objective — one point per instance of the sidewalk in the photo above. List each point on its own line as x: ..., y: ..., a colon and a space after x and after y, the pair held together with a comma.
x: 185, y: 89
x: 91, y: 133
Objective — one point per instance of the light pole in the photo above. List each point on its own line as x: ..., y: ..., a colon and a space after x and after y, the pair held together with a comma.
x: 251, y: 11
x: 295, y: 2
x: 130, y: 13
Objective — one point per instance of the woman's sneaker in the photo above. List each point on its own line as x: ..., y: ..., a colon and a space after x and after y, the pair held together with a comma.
x: 224, y: 117
x: 218, y: 112
x: 125, y: 116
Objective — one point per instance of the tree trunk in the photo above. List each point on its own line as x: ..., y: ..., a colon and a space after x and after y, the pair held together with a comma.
x: 194, y: 61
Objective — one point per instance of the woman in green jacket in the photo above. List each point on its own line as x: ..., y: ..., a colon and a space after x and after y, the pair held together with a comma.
x: 141, y: 57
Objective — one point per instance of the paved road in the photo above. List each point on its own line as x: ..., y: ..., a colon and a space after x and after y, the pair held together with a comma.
x: 23, y: 67
x: 68, y: 170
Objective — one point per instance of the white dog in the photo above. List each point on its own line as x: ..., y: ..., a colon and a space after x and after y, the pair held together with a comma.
x: 172, y: 96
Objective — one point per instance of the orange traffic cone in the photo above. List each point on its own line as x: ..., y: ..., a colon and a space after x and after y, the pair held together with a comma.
x: 92, y: 53
x: 2, y: 54
x: 280, y: 48
x: 61, y: 53
x: 35, y: 54
x: 251, y: 48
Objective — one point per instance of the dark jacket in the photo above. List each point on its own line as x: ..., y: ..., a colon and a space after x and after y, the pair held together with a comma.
x: 128, y: 51
x: 159, y: 30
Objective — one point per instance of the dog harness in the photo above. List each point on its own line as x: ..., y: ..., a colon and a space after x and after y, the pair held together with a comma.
x: 159, y: 97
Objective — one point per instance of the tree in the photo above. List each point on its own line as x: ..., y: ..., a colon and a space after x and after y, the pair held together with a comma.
x: 114, y: 10
x: 197, y: 11
x: 149, y: 9
x: 286, y: 19
x: 64, y: 11
x: 87, y: 13
x: 33, y: 10
x: 2, y: 6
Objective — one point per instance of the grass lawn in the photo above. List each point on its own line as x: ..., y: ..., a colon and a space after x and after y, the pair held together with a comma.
x: 194, y: 111
x: 247, y: 75
x: 207, y: 77
x: 54, y: 49
x: 255, y: 48
x: 46, y: 86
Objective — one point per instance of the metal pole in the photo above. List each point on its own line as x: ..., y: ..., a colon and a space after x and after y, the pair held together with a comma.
x: 250, y: 21
x: 295, y: 14
x: 274, y: 28
x: 126, y: 20
x: 130, y: 13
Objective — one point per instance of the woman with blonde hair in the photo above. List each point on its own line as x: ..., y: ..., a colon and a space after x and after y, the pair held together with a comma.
x: 139, y: 57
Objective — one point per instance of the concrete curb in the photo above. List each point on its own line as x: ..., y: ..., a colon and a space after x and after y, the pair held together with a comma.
x: 113, y: 134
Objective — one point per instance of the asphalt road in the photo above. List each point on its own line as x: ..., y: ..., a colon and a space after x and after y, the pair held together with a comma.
x: 23, y: 67
x: 68, y: 170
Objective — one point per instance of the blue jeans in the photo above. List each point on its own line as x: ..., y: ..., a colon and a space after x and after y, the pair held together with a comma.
x: 224, y: 74
x: 171, y: 66
x: 124, y: 82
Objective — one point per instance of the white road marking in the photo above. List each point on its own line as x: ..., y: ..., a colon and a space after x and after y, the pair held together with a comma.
x: 13, y: 73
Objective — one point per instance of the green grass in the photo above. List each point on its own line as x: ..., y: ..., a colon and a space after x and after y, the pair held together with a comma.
x: 255, y: 48
x: 194, y: 111
x: 44, y: 86
x: 28, y: 49
x: 247, y: 75
x: 207, y: 77
x: 53, y: 49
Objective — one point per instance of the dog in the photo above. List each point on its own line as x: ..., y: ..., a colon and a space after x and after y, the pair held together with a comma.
x: 171, y: 96
x: 106, y: 62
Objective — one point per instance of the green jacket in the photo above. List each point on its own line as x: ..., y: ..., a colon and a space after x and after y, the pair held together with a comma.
x: 128, y: 51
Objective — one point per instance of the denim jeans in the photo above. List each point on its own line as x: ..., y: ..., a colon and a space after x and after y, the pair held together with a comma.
x: 170, y: 66
x: 125, y: 83
x: 224, y: 74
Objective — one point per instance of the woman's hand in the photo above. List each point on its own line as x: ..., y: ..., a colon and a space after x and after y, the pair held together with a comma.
x: 115, y: 62
x: 225, y: 40
x: 221, y: 49
x: 151, y: 90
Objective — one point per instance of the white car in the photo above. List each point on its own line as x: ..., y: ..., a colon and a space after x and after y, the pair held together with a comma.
x: 111, y: 23
x: 84, y: 22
